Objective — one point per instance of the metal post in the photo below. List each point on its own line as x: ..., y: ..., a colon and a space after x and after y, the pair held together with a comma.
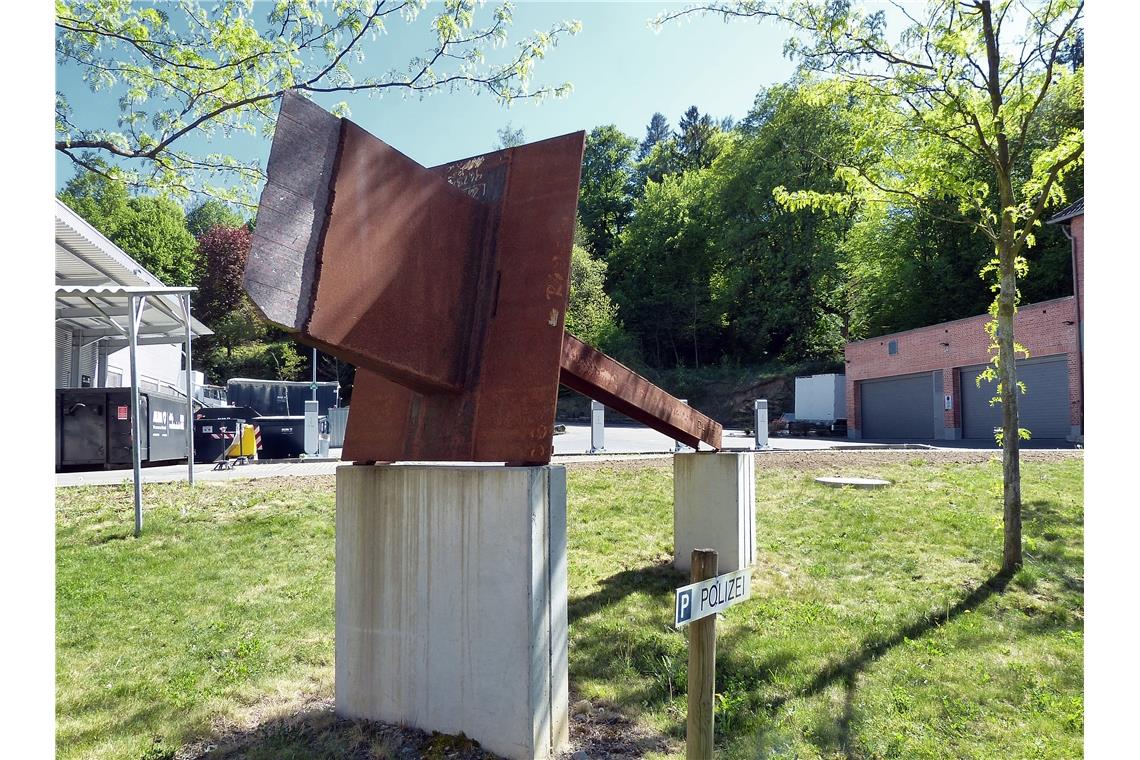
x: 189, y: 391
x: 677, y: 445
x: 597, y: 427
x: 135, y: 306
x: 760, y: 408
x: 702, y: 667
x: 314, y: 385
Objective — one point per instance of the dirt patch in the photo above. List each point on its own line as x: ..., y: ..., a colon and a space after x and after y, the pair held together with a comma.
x: 314, y: 730
x: 600, y: 730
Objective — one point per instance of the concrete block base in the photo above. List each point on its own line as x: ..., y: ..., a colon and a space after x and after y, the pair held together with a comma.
x: 451, y: 602
x: 714, y: 507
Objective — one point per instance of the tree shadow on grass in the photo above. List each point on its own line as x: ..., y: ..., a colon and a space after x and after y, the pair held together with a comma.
x: 739, y: 674
x: 655, y: 580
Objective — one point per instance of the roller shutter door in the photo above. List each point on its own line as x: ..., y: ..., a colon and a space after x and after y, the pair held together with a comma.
x: 898, y: 407
x: 1043, y: 409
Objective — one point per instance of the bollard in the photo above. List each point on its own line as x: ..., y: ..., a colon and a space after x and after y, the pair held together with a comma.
x: 760, y: 409
x: 597, y: 427
x: 311, y: 429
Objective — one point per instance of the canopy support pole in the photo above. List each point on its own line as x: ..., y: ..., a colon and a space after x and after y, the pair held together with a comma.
x: 136, y: 304
x: 184, y: 301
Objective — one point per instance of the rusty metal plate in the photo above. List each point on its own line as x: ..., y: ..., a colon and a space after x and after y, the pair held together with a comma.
x: 593, y: 374
x: 446, y: 287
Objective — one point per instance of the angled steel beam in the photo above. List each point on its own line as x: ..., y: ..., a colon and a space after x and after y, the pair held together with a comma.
x: 593, y: 374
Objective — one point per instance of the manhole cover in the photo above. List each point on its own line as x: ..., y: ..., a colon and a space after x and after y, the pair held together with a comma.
x: 854, y: 482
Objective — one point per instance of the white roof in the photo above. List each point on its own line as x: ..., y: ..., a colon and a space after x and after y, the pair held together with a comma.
x: 94, y: 278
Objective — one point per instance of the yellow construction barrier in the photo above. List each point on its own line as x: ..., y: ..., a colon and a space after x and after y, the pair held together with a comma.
x: 244, y: 445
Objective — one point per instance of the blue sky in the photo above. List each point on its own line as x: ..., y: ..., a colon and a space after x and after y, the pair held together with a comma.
x: 622, y: 71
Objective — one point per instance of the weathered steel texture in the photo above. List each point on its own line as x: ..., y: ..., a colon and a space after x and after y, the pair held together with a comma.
x: 515, y: 333
x: 446, y: 287
x: 593, y: 374
x: 291, y: 215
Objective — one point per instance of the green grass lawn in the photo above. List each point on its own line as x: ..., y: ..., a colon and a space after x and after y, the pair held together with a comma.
x: 876, y: 626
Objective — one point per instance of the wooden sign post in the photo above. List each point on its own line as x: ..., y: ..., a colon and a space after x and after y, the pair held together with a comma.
x: 696, y: 606
x: 702, y: 667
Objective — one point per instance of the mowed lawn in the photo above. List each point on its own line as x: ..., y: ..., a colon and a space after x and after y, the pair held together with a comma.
x: 877, y: 625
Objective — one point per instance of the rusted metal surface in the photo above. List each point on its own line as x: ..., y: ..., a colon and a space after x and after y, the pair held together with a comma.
x: 593, y: 374
x: 446, y: 287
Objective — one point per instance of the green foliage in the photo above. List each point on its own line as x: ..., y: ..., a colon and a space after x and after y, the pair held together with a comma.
x: 216, y: 69
x: 661, y: 273
x: 277, y: 360
x: 151, y: 230
x: 605, y: 199
x: 591, y: 315
x: 157, y: 238
x: 211, y: 213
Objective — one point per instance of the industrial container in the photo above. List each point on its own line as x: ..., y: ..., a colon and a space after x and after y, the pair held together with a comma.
x: 212, y: 437
x: 93, y: 428
x: 282, y: 437
x: 280, y: 397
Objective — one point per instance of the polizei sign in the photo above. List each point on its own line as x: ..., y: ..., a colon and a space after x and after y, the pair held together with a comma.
x: 698, y: 600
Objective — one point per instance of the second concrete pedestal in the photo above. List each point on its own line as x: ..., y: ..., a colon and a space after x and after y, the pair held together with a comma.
x: 451, y: 602
x: 714, y: 507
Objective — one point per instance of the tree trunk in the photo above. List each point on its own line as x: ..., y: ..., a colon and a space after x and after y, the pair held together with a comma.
x: 1011, y: 441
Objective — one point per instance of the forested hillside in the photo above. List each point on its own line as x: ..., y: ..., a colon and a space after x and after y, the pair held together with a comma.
x: 706, y: 269
x: 685, y: 265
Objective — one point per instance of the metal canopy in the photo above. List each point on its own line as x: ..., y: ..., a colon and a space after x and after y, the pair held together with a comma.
x: 104, y: 296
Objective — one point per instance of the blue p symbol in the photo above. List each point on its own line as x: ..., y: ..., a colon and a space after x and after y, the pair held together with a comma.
x: 684, y: 606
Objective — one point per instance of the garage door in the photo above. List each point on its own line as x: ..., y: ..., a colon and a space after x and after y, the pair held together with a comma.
x: 900, y: 407
x: 1043, y: 409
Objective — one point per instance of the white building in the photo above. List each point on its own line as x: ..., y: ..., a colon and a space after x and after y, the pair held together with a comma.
x: 91, y: 328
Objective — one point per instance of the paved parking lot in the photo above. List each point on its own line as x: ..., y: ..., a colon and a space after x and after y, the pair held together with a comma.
x: 621, y: 442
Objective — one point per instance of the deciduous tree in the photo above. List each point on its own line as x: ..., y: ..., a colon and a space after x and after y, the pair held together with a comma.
x: 964, y: 83
x: 213, y: 68
x: 605, y: 200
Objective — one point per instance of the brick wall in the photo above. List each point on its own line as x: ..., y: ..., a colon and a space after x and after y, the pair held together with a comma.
x: 1077, y: 230
x: 1046, y: 329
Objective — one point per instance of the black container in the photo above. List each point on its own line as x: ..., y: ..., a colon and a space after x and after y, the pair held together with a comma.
x: 281, y: 437
x: 280, y: 397
x: 93, y: 428
x: 213, y: 436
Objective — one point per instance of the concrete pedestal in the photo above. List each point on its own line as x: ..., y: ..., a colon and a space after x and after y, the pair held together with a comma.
x: 714, y: 507
x: 451, y: 602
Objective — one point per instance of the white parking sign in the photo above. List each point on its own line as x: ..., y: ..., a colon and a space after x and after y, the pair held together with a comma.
x: 698, y: 600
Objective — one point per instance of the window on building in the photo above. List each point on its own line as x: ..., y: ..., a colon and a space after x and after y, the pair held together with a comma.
x: 893, y: 347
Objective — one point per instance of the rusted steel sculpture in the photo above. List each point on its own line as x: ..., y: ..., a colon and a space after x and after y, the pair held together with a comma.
x: 446, y: 287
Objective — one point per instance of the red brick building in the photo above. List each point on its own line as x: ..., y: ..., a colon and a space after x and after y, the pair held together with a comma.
x: 921, y: 383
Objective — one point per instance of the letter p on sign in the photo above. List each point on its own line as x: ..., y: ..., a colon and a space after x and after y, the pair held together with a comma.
x: 684, y: 606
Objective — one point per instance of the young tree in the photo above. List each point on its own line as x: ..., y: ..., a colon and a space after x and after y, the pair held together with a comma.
x: 605, y: 201
x: 963, y: 84
x: 217, y: 69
